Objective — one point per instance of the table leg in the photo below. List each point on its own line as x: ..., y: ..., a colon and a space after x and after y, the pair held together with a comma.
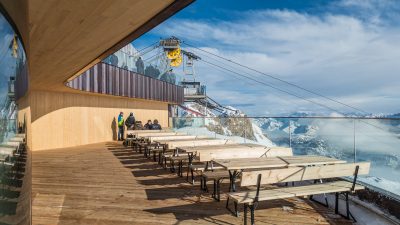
x: 233, y: 175
x: 190, y: 162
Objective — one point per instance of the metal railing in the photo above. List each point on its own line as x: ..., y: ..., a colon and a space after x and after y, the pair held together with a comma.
x: 351, y: 139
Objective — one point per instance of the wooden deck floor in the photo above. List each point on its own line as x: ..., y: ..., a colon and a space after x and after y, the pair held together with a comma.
x: 109, y: 184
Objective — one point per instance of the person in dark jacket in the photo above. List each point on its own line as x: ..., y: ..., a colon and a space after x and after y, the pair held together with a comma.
x: 155, y: 125
x: 130, y: 122
x: 148, y: 125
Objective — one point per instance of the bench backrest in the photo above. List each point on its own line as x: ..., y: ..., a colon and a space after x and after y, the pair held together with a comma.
x: 173, y: 137
x: 244, y: 152
x: 158, y: 134
x: 147, y: 131
x: 272, y: 176
x: 194, y: 143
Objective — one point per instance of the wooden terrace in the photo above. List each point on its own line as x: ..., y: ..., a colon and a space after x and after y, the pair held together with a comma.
x: 108, y: 183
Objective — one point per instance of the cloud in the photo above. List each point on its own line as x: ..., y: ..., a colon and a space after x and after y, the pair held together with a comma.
x: 350, y: 53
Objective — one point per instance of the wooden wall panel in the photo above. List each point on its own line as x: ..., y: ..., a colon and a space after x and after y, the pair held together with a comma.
x: 61, y: 120
x: 126, y: 83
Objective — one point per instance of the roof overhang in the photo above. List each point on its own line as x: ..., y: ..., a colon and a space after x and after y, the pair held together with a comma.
x: 65, y: 38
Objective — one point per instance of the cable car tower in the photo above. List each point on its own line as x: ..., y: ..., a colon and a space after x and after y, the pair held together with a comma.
x: 193, y: 90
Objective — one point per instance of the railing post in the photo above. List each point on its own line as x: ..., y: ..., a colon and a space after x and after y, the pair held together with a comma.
x: 245, y: 136
x: 290, y: 133
x: 354, y: 141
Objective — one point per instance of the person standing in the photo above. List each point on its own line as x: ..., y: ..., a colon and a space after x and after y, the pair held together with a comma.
x: 121, y: 126
x: 130, y: 122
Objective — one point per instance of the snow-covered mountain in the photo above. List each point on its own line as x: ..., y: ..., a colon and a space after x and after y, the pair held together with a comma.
x: 373, y: 140
x: 231, y: 123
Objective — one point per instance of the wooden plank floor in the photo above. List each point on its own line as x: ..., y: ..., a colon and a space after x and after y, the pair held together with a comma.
x: 108, y: 184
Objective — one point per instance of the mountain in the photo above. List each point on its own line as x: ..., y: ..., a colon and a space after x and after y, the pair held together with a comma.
x: 373, y: 140
x: 231, y: 123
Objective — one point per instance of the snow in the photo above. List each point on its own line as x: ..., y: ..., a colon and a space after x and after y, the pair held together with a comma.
x: 382, y: 183
x: 260, y: 137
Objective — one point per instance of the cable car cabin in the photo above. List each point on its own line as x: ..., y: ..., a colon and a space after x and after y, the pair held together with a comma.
x: 193, y: 90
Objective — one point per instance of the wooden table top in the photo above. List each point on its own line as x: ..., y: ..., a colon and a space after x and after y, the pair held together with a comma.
x: 147, y: 131
x: 238, y: 147
x: 145, y: 135
x: 175, y: 137
x: 274, y: 162
x: 166, y: 142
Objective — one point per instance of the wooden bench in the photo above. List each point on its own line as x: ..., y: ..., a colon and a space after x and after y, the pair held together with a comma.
x: 217, y: 177
x: 251, y: 198
x: 173, y: 145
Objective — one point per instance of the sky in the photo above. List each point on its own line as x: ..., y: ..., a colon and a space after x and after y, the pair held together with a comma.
x: 344, y: 50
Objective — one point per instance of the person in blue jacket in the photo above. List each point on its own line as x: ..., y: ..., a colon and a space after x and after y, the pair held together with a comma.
x: 121, y: 126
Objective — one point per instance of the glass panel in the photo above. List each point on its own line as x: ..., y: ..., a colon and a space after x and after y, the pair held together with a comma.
x: 378, y: 141
x: 148, y: 64
x: 353, y: 140
x: 15, y: 189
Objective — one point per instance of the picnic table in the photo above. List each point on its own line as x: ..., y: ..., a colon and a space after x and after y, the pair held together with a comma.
x: 134, y: 132
x: 154, y: 141
x: 210, y: 152
x: 173, y: 144
x: 236, y: 166
x: 147, y: 135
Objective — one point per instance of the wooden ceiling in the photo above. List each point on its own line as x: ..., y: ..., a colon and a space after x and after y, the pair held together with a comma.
x: 67, y: 37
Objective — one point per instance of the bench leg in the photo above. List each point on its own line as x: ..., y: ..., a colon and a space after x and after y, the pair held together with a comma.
x: 336, y: 203
x: 219, y: 189
x: 245, y: 214
x: 172, y: 166
x: 187, y: 173
x: 347, y: 206
x: 236, y: 212
x: 236, y: 209
x: 214, y: 190
x: 191, y: 171
x: 205, y: 184
x: 252, y: 214
x: 348, y: 213
x: 348, y: 209
x: 180, y: 168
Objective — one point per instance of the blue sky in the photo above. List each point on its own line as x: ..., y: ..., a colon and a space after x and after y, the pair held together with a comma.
x: 347, y: 50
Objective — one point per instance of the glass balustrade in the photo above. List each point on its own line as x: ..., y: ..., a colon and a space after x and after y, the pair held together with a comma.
x: 350, y: 139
